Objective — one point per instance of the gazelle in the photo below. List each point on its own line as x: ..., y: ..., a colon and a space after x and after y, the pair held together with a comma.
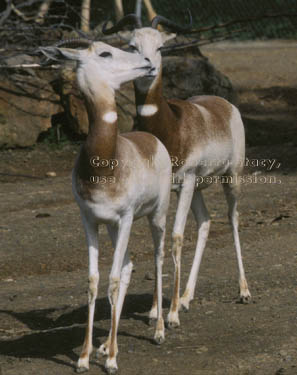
x: 204, y: 136
x: 116, y: 179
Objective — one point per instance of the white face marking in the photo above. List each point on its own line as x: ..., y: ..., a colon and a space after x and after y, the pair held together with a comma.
x: 147, y: 110
x: 110, y: 117
x: 103, y: 65
x: 147, y: 42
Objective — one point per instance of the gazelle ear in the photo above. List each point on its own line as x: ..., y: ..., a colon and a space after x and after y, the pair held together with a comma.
x: 167, y: 36
x: 58, y: 54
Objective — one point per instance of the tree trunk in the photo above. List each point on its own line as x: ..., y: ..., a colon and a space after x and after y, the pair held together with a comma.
x: 85, y: 15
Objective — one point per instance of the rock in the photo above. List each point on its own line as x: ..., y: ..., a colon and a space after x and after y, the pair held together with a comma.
x: 51, y: 174
x: 202, y: 349
x: 149, y: 276
x: 27, y: 104
x: 189, y: 76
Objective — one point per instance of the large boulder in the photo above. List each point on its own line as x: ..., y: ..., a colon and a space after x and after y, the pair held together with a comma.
x: 186, y: 76
x: 27, y: 104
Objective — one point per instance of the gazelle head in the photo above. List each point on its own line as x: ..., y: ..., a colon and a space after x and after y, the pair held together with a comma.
x: 101, y: 64
x: 148, y: 42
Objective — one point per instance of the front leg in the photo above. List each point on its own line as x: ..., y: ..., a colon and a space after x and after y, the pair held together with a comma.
x: 124, y: 283
x: 115, y: 294
x: 91, y: 230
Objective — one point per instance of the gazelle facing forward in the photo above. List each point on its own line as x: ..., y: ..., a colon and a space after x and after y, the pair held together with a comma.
x: 204, y: 136
x: 116, y: 179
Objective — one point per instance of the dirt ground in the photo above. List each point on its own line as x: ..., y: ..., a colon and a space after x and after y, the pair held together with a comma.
x: 43, y: 256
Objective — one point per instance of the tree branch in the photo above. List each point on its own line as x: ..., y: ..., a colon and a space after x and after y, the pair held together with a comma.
x: 6, y: 13
x: 241, y: 20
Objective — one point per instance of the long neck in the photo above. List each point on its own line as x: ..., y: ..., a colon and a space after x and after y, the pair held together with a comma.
x: 100, y: 146
x: 152, y: 107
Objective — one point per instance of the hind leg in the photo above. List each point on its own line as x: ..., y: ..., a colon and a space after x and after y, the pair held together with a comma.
x: 203, y: 221
x: 157, y: 225
x: 183, y: 207
x: 91, y: 230
x: 231, y: 197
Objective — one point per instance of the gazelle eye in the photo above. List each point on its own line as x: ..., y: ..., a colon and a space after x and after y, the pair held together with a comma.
x: 133, y: 48
x: 105, y: 54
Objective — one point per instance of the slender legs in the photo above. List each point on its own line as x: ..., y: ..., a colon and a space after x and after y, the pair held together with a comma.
x: 91, y: 230
x: 230, y: 193
x: 203, y: 222
x: 120, y: 262
x: 119, y: 280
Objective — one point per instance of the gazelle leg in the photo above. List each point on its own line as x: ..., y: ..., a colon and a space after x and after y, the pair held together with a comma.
x: 203, y: 221
x: 114, y: 288
x: 124, y: 283
x: 158, y: 227
x: 230, y: 193
x: 113, y: 234
x: 184, y: 203
x: 91, y: 230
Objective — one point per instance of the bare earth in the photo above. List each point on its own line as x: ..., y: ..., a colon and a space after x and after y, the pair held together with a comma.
x: 43, y: 257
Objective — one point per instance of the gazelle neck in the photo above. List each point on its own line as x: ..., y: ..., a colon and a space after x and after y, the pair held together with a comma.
x: 149, y: 92
x: 151, y: 106
x: 103, y: 131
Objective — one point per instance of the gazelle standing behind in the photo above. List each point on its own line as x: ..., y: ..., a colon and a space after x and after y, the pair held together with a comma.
x: 204, y: 136
x: 116, y: 179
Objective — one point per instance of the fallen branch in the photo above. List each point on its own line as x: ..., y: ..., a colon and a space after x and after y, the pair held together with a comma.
x: 21, y: 14
x: 29, y: 66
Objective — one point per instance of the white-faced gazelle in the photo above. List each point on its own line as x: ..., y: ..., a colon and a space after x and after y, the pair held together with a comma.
x: 118, y: 191
x: 204, y: 136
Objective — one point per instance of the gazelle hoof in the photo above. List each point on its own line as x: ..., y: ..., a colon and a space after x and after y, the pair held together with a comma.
x: 173, y: 320
x: 111, y: 366
x: 80, y: 370
x: 82, y: 364
x: 112, y: 370
x: 159, y: 339
x: 245, y: 299
x: 173, y: 325
x: 244, y: 295
x: 184, y: 305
